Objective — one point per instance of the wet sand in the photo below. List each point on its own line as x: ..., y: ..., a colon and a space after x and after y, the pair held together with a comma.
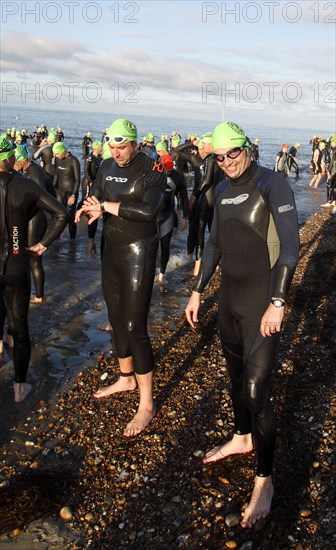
x: 68, y: 449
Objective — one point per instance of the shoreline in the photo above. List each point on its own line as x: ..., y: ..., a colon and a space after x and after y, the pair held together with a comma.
x: 153, y: 489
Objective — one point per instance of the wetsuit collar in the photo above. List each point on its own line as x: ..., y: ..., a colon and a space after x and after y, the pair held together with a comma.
x: 246, y: 176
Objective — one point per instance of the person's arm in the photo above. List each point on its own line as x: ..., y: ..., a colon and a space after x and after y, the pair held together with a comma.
x: 147, y: 209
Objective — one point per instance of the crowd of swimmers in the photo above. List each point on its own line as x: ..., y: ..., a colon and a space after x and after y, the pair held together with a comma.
x: 135, y: 186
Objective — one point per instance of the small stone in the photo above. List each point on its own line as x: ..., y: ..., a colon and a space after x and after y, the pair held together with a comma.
x: 199, y: 454
x: 316, y: 464
x: 104, y: 376
x: 232, y: 520
x: 29, y: 443
x: 89, y: 516
x: 305, y: 512
x: 34, y: 466
x: 16, y: 532
x: 247, y: 545
x: 230, y: 544
x: 66, y: 513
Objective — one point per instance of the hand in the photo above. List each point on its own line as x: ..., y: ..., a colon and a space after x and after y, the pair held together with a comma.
x: 183, y: 224
x: 272, y: 320
x: 192, y: 308
x: 36, y: 250
x: 91, y: 248
x: 71, y: 200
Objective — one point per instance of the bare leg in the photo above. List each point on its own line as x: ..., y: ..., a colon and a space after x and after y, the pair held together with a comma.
x: 21, y: 391
x: 261, y: 501
x: 319, y: 177
x: 124, y: 383
x: 9, y: 340
x: 197, y: 267
x: 146, y: 410
x: 239, y: 444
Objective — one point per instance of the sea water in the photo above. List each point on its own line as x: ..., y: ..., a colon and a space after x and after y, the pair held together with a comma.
x: 76, y: 124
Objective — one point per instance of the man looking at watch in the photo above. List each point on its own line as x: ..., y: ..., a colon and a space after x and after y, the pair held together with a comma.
x: 128, y: 191
x: 254, y: 237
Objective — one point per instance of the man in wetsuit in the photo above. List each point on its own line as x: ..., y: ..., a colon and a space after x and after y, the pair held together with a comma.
x: 319, y: 164
x: 45, y: 155
x: 128, y: 191
x: 292, y: 160
x: 255, y: 150
x: 281, y: 160
x: 20, y: 199
x: 39, y: 223
x: 66, y: 182
x: 254, y: 238
x: 176, y: 185
x: 331, y: 175
x: 86, y: 144
x: 91, y: 166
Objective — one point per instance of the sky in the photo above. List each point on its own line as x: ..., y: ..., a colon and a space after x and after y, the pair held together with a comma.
x: 259, y: 62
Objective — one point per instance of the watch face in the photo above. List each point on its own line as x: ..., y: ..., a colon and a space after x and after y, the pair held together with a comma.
x: 277, y: 303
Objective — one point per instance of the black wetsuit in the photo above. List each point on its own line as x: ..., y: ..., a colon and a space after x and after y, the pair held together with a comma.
x: 201, y: 213
x: 254, y: 238
x: 291, y: 162
x: 176, y: 185
x: 20, y: 199
x: 331, y: 183
x: 38, y: 226
x: 66, y: 182
x: 86, y: 142
x: 281, y: 163
x: 130, y: 251
x: 255, y: 152
x: 91, y: 166
x: 46, y: 156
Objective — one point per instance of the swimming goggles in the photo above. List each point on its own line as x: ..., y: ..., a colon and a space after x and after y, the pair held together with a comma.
x: 233, y: 154
x: 116, y: 139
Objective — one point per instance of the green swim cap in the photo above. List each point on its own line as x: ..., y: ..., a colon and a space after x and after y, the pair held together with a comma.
x: 229, y: 134
x: 96, y: 144
x: 51, y: 137
x: 18, y: 137
x: 206, y: 138
x: 121, y: 131
x: 176, y: 139
x: 21, y: 153
x: 59, y: 147
x: 6, y: 149
x: 150, y: 137
x: 297, y: 145
x: 161, y: 146
x: 106, y: 152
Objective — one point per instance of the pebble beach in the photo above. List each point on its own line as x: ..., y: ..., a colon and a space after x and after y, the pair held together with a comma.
x: 69, y: 479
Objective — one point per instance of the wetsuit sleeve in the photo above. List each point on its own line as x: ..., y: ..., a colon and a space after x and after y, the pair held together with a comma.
x: 147, y: 209
x: 87, y: 169
x: 76, y: 175
x: 208, y: 179
x: 53, y: 206
x: 182, y: 190
x: 210, y: 257
x: 283, y: 209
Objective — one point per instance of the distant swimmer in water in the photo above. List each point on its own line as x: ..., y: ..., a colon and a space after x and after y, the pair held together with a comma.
x: 66, y: 182
x: 292, y: 160
x: 319, y: 165
x: 281, y: 160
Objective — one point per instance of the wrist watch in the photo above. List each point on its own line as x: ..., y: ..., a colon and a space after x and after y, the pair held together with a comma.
x: 102, y: 206
x: 277, y: 302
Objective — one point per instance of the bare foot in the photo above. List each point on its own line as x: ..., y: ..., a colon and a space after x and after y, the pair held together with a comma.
x: 239, y: 444
x: 139, y: 422
x: 161, y: 280
x: 104, y: 327
x: 21, y: 391
x: 122, y: 384
x: 260, y: 503
x: 37, y: 300
x: 9, y: 340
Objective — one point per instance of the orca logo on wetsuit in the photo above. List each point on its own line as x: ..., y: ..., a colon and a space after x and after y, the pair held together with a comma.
x: 236, y: 200
x: 118, y: 180
x: 15, y: 239
x: 285, y: 208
